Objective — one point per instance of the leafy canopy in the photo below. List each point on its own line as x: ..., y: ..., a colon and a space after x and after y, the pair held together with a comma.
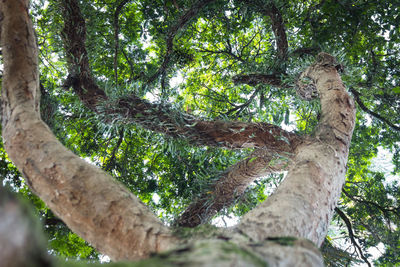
x: 196, y: 70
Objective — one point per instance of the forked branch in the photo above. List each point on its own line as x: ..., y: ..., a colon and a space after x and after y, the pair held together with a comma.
x: 157, y: 117
x: 181, y: 23
x: 87, y: 199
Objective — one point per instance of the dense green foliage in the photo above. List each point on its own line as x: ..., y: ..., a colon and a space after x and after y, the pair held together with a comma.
x: 225, y: 39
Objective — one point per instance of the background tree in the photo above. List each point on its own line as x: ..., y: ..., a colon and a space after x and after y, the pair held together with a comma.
x: 224, y: 61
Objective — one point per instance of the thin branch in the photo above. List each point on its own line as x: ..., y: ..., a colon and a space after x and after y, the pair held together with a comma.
x: 116, y: 38
x: 111, y: 161
x: 394, y: 210
x: 227, y: 52
x: 132, y: 76
x: 181, y: 23
x: 351, y: 234
x: 357, y: 95
x: 239, y: 108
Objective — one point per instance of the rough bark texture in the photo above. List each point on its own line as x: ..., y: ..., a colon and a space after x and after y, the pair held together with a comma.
x: 157, y: 117
x: 80, y: 77
x: 107, y: 215
x: 21, y: 240
x: 174, y: 123
x: 303, y: 204
x: 232, y: 184
x: 278, y: 27
x: 22, y: 243
x: 254, y: 79
x: 88, y: 200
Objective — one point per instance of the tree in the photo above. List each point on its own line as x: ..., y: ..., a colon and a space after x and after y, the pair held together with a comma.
x: 211, y: 49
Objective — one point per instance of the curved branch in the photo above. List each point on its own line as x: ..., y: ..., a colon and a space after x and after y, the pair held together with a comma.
x: 278, y: 26
x: 313, y: 184
x: 88, y: 200
x: 167, y: 120
x: 351, y: 234
x: 80, y: 76
x: 231, y: 185
x: 181, y: 23
x: 157, y: 117
x: 357, y: 95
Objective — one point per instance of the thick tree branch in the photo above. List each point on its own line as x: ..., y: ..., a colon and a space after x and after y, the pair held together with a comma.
x: 159, y: 117
x: 80, y: 76
x: 357, y: 95
x: 278, y: 26
x: 232, y: 184
x: 351, y: 234
x: 88, y: 200
x: 254, y: 79
x: 313, y: 184
x: 174, y: 123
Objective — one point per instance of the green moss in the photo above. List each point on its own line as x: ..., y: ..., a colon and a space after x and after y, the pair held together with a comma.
x: 200, y: 232
x: 284, y: 241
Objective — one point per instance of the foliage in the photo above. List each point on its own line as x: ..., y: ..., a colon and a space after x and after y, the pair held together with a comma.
x: 223, y: 40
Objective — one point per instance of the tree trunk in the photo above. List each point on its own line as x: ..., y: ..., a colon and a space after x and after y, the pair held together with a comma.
x: 108, y: 216
x: 304, y: 203
x: 88, y: 200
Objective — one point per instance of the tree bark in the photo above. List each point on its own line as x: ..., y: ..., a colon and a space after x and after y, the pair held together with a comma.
x: 113, y: 220
x: 21, y: 240
x: 88, y: 200
x: 157, y: 117
x: 232, y: 184
x: 23, y: 244
x: 254, y: 79
x: 277, y: 24
x: 304, y: 203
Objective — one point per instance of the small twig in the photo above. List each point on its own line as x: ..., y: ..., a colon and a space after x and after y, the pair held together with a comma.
x: 356, y: 95
x: 114, y: 152
x: 351, y: 234
x: 182, y: 21
x: 116, y: 38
